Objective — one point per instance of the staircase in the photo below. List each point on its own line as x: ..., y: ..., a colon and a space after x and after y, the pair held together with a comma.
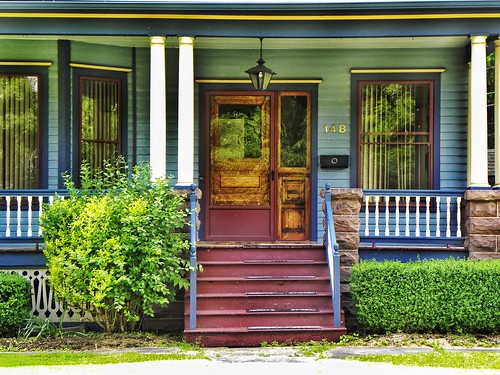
x: 251, y: 293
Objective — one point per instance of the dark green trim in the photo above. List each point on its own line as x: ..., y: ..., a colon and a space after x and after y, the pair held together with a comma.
x: 252, y: 28
x: 64, y: 108
x: 134, y: 106
x: 246, y: 7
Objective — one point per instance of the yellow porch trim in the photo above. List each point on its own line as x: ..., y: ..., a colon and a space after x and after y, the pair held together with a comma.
x: 251, y: 17
x: 25, y: 63
x: 367, y: 71
x: 282, y: 81
x: 101, y: 67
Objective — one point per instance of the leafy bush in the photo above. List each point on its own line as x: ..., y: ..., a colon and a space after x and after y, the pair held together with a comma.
x: 427, y: 296
x: 15, y: 303
x: 113, y: 247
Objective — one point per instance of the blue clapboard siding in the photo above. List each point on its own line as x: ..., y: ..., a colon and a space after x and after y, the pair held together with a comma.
x: 333, y: 66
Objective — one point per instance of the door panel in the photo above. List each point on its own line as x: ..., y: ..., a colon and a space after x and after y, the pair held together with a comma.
x: 240, y: 190
x: 294, y: 166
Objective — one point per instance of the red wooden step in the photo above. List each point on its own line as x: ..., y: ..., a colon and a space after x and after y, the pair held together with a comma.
x: 239, y: 284
x: 264, y: 318
x: 275, y: 253
x: 249, y: 300
x: 237, y: 337
x: 245, y: 268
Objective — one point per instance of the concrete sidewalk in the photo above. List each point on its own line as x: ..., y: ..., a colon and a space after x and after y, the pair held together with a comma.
x: 257, y: 361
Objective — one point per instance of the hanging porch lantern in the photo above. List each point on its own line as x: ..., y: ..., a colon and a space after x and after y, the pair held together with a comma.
x: 260, y: 75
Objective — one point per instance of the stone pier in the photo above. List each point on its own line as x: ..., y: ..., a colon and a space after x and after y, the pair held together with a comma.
x: 482, y: 223
x: 346, y: 204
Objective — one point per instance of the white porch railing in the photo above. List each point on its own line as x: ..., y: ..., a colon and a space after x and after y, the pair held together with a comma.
x: 420, y: 215
x: 20, y: 211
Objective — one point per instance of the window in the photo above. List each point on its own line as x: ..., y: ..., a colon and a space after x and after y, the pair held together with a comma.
x: 101, y: 117
x: 395, y: 123
x: 20, y: 124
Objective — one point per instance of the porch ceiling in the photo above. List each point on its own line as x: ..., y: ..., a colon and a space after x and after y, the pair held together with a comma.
x: 269, y: 43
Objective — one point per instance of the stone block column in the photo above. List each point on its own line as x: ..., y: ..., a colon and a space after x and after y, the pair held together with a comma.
x: 346, y: 204
x: 482, y: 223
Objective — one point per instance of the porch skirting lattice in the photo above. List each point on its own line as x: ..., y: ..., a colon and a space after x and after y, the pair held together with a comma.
x: 43, y: 299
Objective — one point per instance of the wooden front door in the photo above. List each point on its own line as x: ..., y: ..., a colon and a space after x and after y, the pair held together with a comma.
x: 258, y: 164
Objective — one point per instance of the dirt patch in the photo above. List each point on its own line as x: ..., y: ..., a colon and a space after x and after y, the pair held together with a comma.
x: 101, y: 341
x: 88, y: 341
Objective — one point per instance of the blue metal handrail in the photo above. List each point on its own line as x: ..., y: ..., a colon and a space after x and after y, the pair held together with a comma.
x: 192, y: 259
x: 332, y: 252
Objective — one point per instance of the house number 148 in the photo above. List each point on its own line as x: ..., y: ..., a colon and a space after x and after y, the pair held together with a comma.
x: 335, y: 128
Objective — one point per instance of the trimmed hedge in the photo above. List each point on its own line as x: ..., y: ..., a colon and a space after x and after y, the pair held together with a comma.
x: 15, y: 303
x: 445, y: 296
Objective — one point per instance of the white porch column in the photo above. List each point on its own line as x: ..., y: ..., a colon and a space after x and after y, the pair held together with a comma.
x: 185, y: 152
x: 469, y: 130
x: 158, y: 108
x: 478, y: 166
x: 497, y: 114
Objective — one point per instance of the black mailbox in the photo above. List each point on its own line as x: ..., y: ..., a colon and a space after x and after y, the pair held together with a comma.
x: 334, y: 161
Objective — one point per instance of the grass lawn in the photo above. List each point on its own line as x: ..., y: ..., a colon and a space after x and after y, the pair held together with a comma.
x: 469, y: 360
x: 80, y: 349
x: 75, y: 358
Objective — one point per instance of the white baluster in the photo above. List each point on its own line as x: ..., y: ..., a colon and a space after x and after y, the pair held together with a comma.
x: 417, y: 218
x: 18, y: 232
x: 397, y: 215
x: 40, y: 211
x: 459, y: 217
x: 427, y: 217
x: 30, y: 217
x: 438, y: 216
x: 367, y: 216
x: 387, y: 199
x: 448, y: 216
x: 51, y: 200
x: 7, y: 217
x: 377, y: 232
x: 407, y: 229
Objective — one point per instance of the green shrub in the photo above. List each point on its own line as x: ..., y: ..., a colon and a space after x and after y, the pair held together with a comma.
x: 15, y: 303
x: 113, y: 248
x: 427, y: 296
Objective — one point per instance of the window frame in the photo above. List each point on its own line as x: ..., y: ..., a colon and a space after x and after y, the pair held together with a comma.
x: 78, y: 75
x: 434, y: 132
x: 43, y: 115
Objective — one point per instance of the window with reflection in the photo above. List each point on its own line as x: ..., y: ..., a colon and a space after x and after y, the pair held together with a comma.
x: 100, y: 120
x: 293, y: 131
x: 395, y: 128
x: 19, y: 131
x: 240, y: 131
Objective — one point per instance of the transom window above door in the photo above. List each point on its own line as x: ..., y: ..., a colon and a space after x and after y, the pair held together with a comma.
x: 395, y: 137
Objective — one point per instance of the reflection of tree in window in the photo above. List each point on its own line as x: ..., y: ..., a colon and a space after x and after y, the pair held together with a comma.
x: 395, y: 135
x: 19, y: 132
x: 293, y: 131
x: 100, y: 121
x: 240, y: 131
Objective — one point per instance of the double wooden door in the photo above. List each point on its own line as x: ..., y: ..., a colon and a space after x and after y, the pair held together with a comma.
x: 258, y: 164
